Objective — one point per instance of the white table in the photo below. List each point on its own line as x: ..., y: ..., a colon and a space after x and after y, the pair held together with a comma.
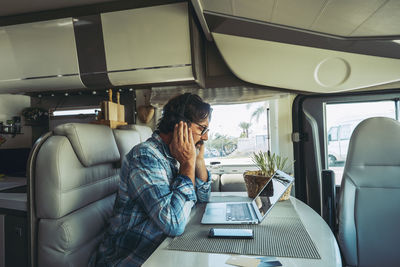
x: 7, y: 182
x: 318, y: 230
x: 12, y: 201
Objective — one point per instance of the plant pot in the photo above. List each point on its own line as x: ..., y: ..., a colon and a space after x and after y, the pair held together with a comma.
x: 255, y: 181
x: 286, y: 195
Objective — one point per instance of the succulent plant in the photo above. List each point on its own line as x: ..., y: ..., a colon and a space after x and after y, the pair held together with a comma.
x: 35, y: 114
x: 268, y: 163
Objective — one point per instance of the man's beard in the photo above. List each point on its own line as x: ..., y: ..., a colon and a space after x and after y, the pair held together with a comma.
x: 199, y: 143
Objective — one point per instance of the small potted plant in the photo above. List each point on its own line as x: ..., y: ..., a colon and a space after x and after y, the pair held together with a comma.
x: 267, y: 163
x: 35, y: 116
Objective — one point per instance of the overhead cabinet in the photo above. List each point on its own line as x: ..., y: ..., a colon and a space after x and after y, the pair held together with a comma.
x: 38, y: 56
x: 148, y: 45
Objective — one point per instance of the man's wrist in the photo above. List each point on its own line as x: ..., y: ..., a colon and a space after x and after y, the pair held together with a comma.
x: 188, y: 169
x: 199, y: 159
x: 188, y: 165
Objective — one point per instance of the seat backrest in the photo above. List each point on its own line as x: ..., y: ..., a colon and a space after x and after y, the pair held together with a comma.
x: 73, y: 183
x: 126, y: 139
x: 144, y: 131
x: 369, y: 216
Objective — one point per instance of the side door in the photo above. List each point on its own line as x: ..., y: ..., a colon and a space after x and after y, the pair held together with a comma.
x: 313, y: 119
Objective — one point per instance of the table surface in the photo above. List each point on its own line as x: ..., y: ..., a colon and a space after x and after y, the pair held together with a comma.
x: 7, y: 182
x: 318, y: 230
x: 13, y: 201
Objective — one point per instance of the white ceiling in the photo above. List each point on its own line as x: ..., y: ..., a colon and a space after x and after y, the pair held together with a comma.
x: 348, y: 18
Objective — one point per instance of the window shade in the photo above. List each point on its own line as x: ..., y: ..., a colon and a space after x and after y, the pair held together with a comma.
x: 223, y: 96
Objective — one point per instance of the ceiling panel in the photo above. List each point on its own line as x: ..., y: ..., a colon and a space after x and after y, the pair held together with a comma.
x: 386, y: 21
x: 303, y: 68
x: 287, y: 12
x: 220, y: 6
x: 342, y: 17
x: 336, y: 17
x: 255, y: 9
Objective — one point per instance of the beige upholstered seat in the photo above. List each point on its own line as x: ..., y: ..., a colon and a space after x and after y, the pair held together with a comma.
x: 144, y: 131
x: 369, y: 214
x: 72, y: 185
x: 126, y: 139
x: 232, y: 183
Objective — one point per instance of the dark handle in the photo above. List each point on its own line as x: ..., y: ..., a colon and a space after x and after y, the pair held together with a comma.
x: 329, y: 198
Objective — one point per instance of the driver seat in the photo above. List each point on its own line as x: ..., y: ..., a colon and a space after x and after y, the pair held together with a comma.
x: 369, y: 214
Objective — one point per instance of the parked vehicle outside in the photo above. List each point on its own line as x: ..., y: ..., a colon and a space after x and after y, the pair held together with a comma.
x: 338, y: 141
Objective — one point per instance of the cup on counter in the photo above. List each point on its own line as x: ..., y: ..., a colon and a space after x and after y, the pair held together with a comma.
x: 17, y: 124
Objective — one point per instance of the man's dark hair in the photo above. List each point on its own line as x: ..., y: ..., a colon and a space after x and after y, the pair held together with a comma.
x: 186, y: 107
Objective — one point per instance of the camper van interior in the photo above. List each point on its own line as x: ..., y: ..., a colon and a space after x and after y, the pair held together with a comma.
x: 315, y: 83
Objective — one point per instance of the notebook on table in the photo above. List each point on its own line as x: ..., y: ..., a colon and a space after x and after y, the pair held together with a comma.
x: 252, y: 212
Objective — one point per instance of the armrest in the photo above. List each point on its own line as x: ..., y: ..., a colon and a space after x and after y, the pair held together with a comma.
x: 328, y: 198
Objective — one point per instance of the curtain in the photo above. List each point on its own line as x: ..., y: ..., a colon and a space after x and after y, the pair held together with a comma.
x: 224, y: 96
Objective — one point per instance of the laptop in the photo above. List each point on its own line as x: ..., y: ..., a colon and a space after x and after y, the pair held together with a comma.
x: 249, y: 212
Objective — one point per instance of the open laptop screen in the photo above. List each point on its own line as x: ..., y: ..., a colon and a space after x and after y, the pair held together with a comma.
x: 271, y: 193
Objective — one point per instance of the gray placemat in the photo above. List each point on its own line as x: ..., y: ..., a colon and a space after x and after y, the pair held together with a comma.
x: 275, y: 236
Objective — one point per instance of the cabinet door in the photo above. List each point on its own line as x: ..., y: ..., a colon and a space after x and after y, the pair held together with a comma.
x: 16, y: 241
x: 151, y: 45
x: 2, y: 240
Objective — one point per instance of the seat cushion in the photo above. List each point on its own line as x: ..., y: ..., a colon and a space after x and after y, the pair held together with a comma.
x: 64, y: 185
x: 70, y: 241
x: 92, y: 143
x: 126, y: 139
x: 144, y: 131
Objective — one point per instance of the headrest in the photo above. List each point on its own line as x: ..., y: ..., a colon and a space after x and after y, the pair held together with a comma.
x: 374, y: 150
x: 93, y: 144
x: 144, y: 131
x: 126, y: 139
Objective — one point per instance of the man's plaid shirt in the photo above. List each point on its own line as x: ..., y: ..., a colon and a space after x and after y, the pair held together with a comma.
x: 153, y: 202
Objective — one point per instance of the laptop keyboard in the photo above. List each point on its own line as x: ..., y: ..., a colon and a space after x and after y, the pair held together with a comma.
x: 238, y: 212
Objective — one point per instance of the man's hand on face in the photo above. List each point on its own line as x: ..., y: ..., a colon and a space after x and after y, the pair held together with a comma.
x: 183, y: 149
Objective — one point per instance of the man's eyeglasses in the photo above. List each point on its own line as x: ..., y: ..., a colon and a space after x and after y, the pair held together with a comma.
x: 204, y: 130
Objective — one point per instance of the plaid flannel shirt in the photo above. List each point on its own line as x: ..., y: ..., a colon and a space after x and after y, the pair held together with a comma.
x: 153, y: 202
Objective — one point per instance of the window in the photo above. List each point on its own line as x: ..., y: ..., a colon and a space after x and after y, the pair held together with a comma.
x: 72, y: 114
x: 341, y: 121
x: 236, y: 131
x: 76, y: 112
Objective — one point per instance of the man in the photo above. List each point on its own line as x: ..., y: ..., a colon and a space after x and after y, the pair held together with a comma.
x: 161, y: 180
